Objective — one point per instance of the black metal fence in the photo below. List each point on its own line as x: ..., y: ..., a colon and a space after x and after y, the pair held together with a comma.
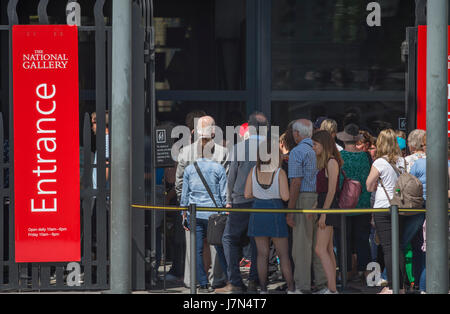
x: 95, y: 51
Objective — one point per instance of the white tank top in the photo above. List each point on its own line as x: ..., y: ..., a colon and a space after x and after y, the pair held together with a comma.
x: 273, y: 192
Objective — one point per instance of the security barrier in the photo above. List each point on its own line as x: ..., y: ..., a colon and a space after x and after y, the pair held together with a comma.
x: 393, y: 210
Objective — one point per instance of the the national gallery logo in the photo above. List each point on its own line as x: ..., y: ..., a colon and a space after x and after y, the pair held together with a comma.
x: 41, y: 60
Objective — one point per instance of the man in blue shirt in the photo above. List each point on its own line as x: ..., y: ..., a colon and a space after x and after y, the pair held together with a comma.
x: 189, y: 154
x: 195, y: 192
x: 302, y: 175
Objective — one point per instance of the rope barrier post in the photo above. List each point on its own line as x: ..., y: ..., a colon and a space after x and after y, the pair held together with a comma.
x: 343, y: 253
x: 395, y: 249
x: 193, y: 247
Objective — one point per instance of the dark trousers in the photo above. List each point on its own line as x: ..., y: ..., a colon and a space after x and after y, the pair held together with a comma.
x: 384, y: 231
x: 178, y: 246
x: 235, y: 231
x: 412, y: 233
x: 201, y: 233
x: 358, y: 233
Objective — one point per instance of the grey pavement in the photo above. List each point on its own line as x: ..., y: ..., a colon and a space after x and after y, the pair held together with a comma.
x: 177, y: 287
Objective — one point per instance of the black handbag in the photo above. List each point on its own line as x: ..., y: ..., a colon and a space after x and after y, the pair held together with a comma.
x: 216, y: 227
x: 216, y: 222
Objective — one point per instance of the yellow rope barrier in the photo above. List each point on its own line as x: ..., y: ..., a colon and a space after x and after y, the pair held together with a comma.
x: 304, y: 211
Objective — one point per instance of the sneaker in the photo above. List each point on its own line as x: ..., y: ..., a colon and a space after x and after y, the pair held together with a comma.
x: 275, y: 276
x: 219, y: 285
x: 263, y: 292
x: 230, y: 289
x: 386, y: 290
x: 252, y: 286
x: 321, y: 291
x: 245, y: 263
x: 205, y: 289
x: 381, y: 283
x: 330, y: 292
x: 296, y: 291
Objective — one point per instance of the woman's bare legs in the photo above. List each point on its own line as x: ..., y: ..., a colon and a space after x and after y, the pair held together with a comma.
x: 282, y: 248
x: 262, y: 245
x: 331, y: 251
x: 322, y: 249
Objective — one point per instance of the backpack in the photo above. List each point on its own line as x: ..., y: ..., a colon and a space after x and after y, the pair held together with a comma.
x: 408, y: 191
x: 350, y: 192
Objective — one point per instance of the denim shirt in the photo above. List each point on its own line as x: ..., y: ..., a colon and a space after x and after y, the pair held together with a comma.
x: 194, y: 192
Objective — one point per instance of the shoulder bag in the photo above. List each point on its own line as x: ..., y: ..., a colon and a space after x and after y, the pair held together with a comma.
x: 350, y: 192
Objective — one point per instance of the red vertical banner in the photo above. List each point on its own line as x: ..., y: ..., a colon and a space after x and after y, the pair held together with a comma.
x: 46, y: 143
x: 422, y: 78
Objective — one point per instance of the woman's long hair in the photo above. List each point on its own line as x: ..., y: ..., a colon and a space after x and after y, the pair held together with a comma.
x: 288, y: 137
x: 387, y: 145
x: 329, y: 149
x: 266, y: 159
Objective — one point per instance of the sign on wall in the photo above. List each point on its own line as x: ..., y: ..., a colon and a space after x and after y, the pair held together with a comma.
x: 422, y: 79
x: 164, y: 143
x: 46, y: 143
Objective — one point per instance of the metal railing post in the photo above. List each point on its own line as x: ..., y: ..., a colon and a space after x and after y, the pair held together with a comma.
x: 120, y: 150
x: 343, y: 253
x: 395, y: 249
x: 437, y: 128
x: 193, y: 247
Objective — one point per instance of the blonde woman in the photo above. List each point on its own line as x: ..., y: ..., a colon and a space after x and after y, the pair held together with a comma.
x: 329, y: 163
x: 331, y: 126
x: 382, y: 179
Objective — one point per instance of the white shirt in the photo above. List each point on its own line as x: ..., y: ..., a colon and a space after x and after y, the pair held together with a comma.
x: 389, y: 178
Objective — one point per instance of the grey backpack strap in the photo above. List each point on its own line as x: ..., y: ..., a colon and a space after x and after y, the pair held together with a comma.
x: 381, y: 181
x: 382, y: 185
x: 396, y: 170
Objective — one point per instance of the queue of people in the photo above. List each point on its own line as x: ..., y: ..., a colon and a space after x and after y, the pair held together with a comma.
x: 306, y: 170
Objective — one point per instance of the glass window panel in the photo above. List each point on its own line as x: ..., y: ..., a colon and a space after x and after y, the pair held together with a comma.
x: 225, y: 113
x: 373, y: 116
x: 200, y: 44
x: 327, y: 45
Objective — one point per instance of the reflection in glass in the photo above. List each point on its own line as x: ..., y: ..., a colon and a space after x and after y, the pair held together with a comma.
x: 372, y: 116
x: 224, y: 113
x: 200, y: 44
x: 327, y: 45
